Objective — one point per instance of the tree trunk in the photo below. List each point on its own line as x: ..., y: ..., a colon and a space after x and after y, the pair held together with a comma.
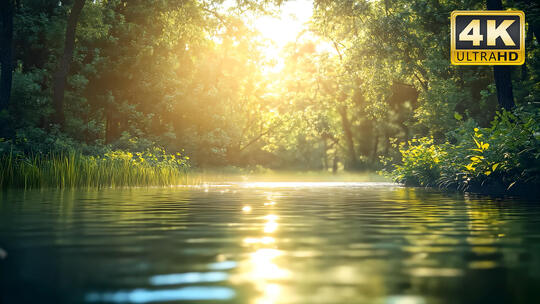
x: 6, y: 52
x: 501, y: 73
x: 325, y: 154
x: 535, y: 27
x: 348, y: 137
x: 111, y: 129
x: 503, y: 82
x: 335, y: 163
x: 65, y: 63
x: 533, y: 17
x: 374, y: 155
x: 528, y: 41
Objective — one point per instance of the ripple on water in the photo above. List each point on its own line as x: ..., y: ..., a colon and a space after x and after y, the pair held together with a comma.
x: 192, y: 293
x: 271, y: 242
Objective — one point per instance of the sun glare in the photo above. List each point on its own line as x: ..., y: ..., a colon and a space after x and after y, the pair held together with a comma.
x: 287, y: 26
x: 284, y: 28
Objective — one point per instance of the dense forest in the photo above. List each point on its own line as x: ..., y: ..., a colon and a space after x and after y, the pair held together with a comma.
x: 367, y: 85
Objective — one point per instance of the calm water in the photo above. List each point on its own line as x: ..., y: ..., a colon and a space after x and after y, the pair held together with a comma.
x: 268, y: 243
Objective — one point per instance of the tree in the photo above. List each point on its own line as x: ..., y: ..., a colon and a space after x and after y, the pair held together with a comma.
x: 501, y: 73
x: 65, y: 62
x: 6, y: 52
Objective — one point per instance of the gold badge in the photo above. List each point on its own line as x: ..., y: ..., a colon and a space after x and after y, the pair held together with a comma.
x: 487, y: 37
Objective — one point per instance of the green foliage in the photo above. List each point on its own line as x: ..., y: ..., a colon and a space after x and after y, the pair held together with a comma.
x: 505, y: 155
x: 420, y: 162
x: 194, y: 77
x: 73, y: 169
x: 184, y: 75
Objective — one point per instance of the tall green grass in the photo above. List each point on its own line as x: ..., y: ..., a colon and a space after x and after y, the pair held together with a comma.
x: 74, y: 170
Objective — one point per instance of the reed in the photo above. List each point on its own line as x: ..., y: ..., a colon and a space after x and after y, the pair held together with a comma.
x: 74, y: 170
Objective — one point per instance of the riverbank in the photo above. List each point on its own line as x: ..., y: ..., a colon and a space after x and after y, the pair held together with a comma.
x: 501, y: 159
x: 125, y: 169
x: 233, y: 174
x: 73, y: 169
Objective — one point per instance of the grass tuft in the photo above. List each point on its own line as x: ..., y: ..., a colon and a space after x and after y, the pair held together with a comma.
x: 74, y: 170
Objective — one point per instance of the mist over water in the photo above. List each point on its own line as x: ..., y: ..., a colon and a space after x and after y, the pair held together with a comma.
x: 268, y: 242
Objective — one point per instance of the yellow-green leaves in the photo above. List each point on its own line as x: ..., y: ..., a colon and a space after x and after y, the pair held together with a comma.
x: 421, y: 160
x: 113, y: 169
x: 478, y: 160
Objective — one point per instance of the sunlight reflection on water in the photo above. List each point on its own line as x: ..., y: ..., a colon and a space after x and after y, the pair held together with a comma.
x: 193, y: 293
x: 298, y: 242
x: 271, y: 185
x: 188, y: 278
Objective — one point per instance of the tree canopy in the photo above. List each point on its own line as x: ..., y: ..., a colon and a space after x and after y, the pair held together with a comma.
x: 193, y: 76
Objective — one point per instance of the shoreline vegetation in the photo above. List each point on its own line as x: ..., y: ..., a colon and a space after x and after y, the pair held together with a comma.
x: 119, y: 169
x: 73, y: 169
x: 152, y: 93
x: 501, y: 159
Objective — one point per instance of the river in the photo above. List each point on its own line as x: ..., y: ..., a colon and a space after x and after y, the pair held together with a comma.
x: 268, y: 242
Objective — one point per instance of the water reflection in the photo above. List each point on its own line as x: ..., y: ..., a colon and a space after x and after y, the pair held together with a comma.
x: 311, y: 185
x: 271, y: 225
x: 188, y: 278
x: 404, y: 299
x: 261, y: 269
x: 296, y: 243
x: 147, y: 296
x: 263, y: 266
x: 224, y: 265
x: 262, y: 240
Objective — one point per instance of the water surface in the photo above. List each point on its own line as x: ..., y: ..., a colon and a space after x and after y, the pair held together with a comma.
x: 268, y: 242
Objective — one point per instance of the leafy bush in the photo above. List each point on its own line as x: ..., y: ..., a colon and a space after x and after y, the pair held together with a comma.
x: 504, y: 156
x: 420, y: 162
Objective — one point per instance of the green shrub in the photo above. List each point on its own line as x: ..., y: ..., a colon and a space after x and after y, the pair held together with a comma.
x: 420, y: 162
x: 504, y: 156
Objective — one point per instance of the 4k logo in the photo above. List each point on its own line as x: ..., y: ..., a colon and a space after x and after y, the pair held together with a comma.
x: 487, y: 37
